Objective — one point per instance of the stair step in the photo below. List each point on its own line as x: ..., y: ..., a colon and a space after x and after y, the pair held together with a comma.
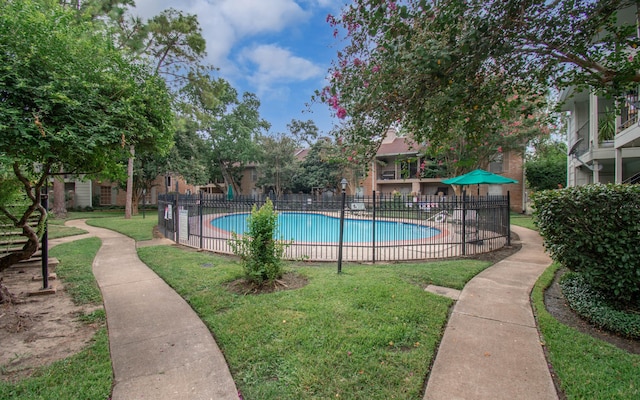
x: 36, y: 263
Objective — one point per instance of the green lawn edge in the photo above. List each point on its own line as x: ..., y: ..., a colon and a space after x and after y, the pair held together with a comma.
x: 585, y: 367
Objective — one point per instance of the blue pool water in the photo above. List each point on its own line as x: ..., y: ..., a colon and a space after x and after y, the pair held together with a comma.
x: 303, y: 227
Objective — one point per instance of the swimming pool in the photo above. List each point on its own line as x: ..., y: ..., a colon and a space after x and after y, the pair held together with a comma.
x: 319, y: 228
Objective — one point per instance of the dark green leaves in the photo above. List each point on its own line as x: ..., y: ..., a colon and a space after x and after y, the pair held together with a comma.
x: 594, y: 230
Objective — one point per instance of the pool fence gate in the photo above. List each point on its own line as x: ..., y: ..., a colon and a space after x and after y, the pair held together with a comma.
x: 461, y: 225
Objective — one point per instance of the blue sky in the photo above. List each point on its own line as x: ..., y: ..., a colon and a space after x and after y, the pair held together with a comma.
x: 278, y: 49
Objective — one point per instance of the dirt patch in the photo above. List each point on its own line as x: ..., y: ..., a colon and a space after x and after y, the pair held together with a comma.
x: 557, y: 306
x: 38, y: 330
x: 157, y: 234
x: 289, y: 281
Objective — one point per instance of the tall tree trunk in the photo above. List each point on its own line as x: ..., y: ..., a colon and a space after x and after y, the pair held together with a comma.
x: 136, y: 201
x: 128, y: 205
x: 59, y: 204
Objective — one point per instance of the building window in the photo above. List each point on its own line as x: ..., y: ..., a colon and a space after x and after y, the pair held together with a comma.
x: 254, y: 175
x: 496, y: 165
x: 105, y: 195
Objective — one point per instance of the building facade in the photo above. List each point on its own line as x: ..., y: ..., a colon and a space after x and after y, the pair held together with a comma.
x: 603, y: 144
x: 396, y: 168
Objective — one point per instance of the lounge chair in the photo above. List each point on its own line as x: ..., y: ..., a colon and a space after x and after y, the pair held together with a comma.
x: 358, y: 208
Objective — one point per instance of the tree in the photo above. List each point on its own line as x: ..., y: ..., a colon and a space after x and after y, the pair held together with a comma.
x: 187, y: 157
x: 172, y: 41
x: 230, y: 126
x: 547, y: 167
x: 320, y: 169
x: 259, y: 248
x: 59, y: 208
x: 589, y: 44
x: 67, y: 97
x: 414, y: 67
x: 457, y: 69
x: 303, y: 131
x: 278, y: 163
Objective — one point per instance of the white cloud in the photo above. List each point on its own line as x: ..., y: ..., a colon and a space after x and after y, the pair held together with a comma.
x: 250, y: 17
x: 275, y: 64
x: 225, y: 22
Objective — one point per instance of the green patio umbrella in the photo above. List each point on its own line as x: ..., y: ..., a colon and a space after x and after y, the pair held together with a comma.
x: 479, y: 177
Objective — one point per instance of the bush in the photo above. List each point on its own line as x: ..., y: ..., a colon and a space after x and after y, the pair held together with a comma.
x: 260, y: 252
x: 592, y: 306
x: 594, y: 230
x: 546, y: 174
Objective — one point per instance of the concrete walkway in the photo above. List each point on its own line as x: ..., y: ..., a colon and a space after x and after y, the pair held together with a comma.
x: 160, y: 349
x: 491, y: 348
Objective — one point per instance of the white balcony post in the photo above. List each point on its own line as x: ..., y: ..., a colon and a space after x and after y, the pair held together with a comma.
x: 618, y: 165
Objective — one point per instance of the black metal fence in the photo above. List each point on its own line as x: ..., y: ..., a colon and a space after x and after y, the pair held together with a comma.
x: 376, y: 228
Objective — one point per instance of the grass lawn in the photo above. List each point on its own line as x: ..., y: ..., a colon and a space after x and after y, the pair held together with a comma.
x: 369, y: 333
x: 587, y: 368
x: 87, y: 374
x: 523, y: 220
x: 137, y: 227
x: 56, y: 228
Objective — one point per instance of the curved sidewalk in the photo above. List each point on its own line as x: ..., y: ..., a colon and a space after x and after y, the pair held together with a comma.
x: 491, y: 348
x: 160, y: 349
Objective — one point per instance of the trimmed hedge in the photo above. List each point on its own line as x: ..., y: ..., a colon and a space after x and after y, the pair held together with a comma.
x: 594, y: 230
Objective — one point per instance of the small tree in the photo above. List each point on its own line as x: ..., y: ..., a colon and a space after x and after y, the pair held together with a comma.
x: 547, y: 167
x: 260, y: 251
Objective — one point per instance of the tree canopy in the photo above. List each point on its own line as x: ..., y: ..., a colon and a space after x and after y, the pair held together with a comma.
x: 68, y: 97
x: 229, y: 125
x: 454, y: 70
x: 171, y: 41
x: 278, y: 163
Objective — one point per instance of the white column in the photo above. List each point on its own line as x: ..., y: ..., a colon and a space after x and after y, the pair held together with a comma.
x: 596, y: 171
x: 618, y: 164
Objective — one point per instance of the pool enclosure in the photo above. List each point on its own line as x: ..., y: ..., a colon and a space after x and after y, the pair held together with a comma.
x: 390, y: 227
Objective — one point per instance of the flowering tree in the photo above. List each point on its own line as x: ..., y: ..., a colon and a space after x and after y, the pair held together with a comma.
x: 461, y: 72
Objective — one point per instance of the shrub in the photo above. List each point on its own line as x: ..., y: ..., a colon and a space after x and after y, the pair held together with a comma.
x: 591, y: 305
x: 260, y: 252
x: 594, y: 230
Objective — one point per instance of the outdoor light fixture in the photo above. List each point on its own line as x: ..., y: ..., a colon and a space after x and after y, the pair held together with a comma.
x: 343, y: 183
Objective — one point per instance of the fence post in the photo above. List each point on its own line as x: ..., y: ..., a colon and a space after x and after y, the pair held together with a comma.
x: 176, y: 226
x: 464, y: 222
x: 508, y: 218
x: 201, y: 219
x: 373, y: 216
x: 44, y: 244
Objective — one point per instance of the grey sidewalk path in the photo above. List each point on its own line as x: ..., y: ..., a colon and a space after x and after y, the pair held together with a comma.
x: 491, y: 348
x: 160, y: 349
